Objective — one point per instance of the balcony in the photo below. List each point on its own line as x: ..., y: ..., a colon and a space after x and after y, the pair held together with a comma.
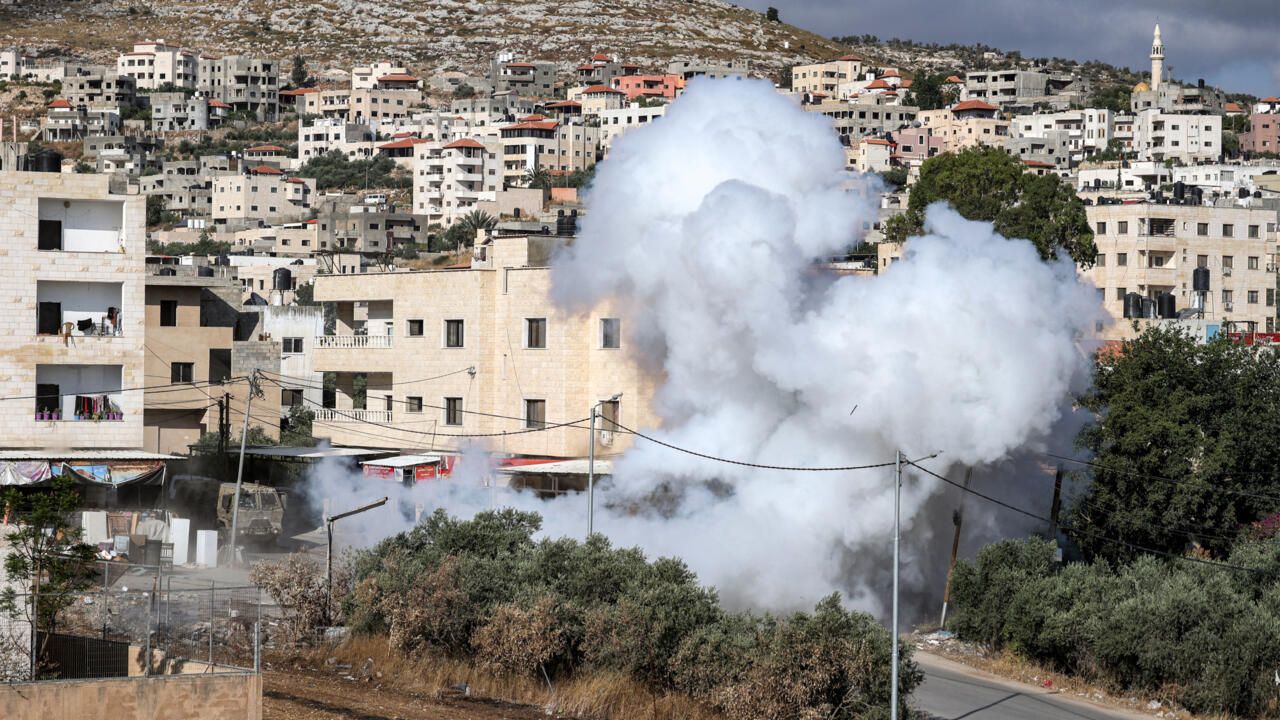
x: 81, y: 225
x: 353, y: 342
x: 78, y: 309
x: 78, y: 392
x: 351, y: 415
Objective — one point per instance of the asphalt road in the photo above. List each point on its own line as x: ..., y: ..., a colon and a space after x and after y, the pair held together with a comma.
x: 952, y: 691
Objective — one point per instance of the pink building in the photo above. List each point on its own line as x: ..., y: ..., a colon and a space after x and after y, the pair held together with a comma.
x: 651, y: 86
x: 1263, y: 135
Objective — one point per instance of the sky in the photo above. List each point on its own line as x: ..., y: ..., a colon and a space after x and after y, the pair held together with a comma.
x: 1230, y: 43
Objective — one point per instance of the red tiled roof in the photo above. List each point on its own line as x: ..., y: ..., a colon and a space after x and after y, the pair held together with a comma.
x: 399, y: 135
x: 878, y: 84
x: 600, y: 56
x: 216, y: 103
x: 312, y: 221
x: 297, y: 180
x: 565, y: 104
x: 891, y: 72
x: 265, y: 149
x: 546, y: 125
x: 586, y: 67
x: 877, y: 141
x: 1271, y: 100
x: 818, y: 94
x: 1232, y: 107
x: 630, y: 66
x: 398, y: 77
x: 60, y: 103
x: 465, y: 143
x: 1037, y: 164
x: 298, y: 92
x: 402, y: 144
x: 953, y: 79
x: 972, y: 105
x: 601, y: 89
x: 266, y: 170
x: 533, y: 118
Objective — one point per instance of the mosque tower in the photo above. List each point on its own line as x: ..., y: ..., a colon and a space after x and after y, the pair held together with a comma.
x: 1157, y: 59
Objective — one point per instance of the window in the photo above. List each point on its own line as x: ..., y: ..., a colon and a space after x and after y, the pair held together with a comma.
x: 1228, y: 230
x: 290, y: 397
x: 454, y: 336
x: 1253, y: 262
x: 181, y: 372
x: 535, y: 334
x: 1226, y: 296
x: 610, y: 333
x: 1122, y: 227
x: 1122, y: 259
x: 1252, y: 297
x: 1102, y: 228
x: 1228, y: 261
x: 1202, y: 229
x: 1120, y: 293
x: 293, y: 345
x: 1202, y: 261
x: 1253, y: 232
x: 168, y: 313
x: 1271, y: 297
x: 413, y: 404
x: 1100, y: 260
x: 415, y: 328
x: 453, y: 411
x: 535, y: 413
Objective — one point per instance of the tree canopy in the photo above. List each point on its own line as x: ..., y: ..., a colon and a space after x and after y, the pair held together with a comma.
x: 1184, y: 445
x: 989, y: 184
x: 333, y: 170
x: 927, y: 89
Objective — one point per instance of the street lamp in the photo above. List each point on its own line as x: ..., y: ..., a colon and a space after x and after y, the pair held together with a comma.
x: 328, y: 576
x: 591, y: 465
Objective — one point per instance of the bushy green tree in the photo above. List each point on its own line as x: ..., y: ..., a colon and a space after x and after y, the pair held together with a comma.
x: 1183, y: 444
x: 987, y: 183
x: 298, y: 71
x: 334, y: 170
x: 928, y: 93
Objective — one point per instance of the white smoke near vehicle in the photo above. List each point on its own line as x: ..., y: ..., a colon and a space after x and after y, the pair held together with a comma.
x: 707, y: 229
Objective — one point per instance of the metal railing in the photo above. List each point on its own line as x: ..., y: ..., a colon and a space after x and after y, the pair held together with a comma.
x: 353, y: 341
x: 336, y: 415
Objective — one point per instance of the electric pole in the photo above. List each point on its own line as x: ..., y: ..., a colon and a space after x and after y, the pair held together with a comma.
x: 897, y: 500
x: 957, y: 519
x: 255, y: 390
x: 1056, y: 506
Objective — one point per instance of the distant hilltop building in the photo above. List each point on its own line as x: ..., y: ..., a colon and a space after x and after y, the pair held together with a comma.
x: 1170, y: 96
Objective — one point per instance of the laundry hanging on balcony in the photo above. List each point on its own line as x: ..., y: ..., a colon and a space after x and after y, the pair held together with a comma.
x: 24, y: 472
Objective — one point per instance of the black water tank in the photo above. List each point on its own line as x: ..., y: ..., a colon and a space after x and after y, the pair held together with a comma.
x: 1257, y: 194
x: 223, y: 259
x: 167, y: 271
x: 1242, y: 193
x: 1179, y: 190
x: 282, y: 279
x: 204, y: 271
x: 1200, y: 279
x: 1148, y: 307
x: 566, y: 224
x: 1168, y: 306
x: 46, y: 160
x: 1132, y: 305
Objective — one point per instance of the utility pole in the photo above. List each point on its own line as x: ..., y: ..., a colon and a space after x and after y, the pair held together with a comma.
x: 591, y: 465
x: 957, y: 519
x: 223, y: 430
x: 897, y: 502
x: 328, y: 560
x: 255, y: 390
x: 1057, y: 504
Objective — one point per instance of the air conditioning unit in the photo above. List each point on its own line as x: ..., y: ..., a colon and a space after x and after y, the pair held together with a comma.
x: 606, y: 438
x: 1226, y: 272
x: 1271, y: 267
x: 1226, y: 306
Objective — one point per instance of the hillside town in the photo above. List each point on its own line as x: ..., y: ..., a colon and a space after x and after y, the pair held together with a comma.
x: 248, y: 273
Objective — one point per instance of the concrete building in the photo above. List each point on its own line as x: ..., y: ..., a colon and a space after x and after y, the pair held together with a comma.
x: 365, y: 228
x: 971, y: 123
x: 1128, y: 179
x: 175, y: 111
x: 826, y: 77
x: 654, y: 87
x: 1052, y: 150
x: 865, y: 115
x: 155, y: 64
x: 73, y: 339
x: 99, y: 89
x: 451, y: 178
x: 366, y: 76
x: 246, y: 84
x: 1182, y: 138
x: 616, y: 122
x: 1087, y: 131
x: 1167, y: 96
x: 595, y: 99
x: 1226, y: 179
x: 1017, y: 89
x: 442, y: 350
x: 1263, y: 135
x: 197, y: 341
x: 64, y: 123
x: 354, y: 140
x: 556, y: 147
x: 690, y: 69
x: 526, y: 79
x: 1152, y: 248
x: 13, y: 63
x: 296, y: 328
x: 262, y: 193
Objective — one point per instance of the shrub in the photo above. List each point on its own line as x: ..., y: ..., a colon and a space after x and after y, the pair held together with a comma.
x: 298, y: 587
x: 520, y: 640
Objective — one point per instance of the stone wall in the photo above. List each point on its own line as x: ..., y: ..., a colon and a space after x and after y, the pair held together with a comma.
x: 222, y: 696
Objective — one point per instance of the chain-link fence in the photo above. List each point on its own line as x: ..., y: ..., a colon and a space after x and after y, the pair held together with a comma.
x: 156, y: 625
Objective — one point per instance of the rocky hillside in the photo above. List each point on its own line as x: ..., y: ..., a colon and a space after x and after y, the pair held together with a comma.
x: 428, y: 35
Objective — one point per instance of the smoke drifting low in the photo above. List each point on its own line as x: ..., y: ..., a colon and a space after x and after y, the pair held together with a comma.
x: 705, y: 227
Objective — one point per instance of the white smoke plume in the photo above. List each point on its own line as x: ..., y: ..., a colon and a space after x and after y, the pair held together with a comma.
x: 705, y: 227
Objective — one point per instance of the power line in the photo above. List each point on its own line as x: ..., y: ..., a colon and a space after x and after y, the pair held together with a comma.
x: 1079, y: 533
x: 308, y: 381
x: 171, y: 387
x: 1203, y: 485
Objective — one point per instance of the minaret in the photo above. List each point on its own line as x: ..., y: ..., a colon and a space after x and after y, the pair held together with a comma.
x: 1157, y: 59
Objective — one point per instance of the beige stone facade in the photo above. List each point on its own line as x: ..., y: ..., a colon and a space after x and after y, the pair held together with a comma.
x: 1152, y: 248
x: 825, y: 77
x: 397, y: 328
x: 92, y: 262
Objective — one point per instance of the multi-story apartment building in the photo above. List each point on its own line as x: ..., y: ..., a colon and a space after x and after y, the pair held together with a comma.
x: 13, y: 64
x: 966, y: 124
x: 603, y: 70
x: 826, y: 77
x: 1185, y: 139
x: 64, y: 123
x: 654, y: 87
x: 262, y: 193
x: 1023, y: 88
x: 525, y: 79
x: 1052, y: 150
x: 474, y: 351
x: 1124, y: 178
x: 355, y: 140
x: 198, y: 344
x: 1226, y: 178
x: 865, y: 115
x: 595, y: 99
x: 1153, y: 248
x: 450, y: 178
x: 616, y: 122
x: 73, y: 328
x: 1087, y: 131
x: 174, y: 111
x: 366, y: 76
x: 156, y: 64
x: 365, y: 228
x: 1263, y: 135
x: 690, y: 69
x: 246, y: 84
x: 99, y: 89
x: 556, y: 147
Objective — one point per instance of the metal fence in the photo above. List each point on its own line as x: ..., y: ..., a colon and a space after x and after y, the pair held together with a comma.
x: 155, y: 626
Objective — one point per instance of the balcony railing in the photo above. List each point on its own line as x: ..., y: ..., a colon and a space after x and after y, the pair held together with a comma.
x: 360, y: 342
x: 352, y: 415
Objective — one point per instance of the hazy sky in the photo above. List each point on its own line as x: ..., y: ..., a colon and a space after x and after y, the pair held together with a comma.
x: 1230, y: 43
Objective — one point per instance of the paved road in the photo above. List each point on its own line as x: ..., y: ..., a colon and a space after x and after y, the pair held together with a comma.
x: 952, y: 691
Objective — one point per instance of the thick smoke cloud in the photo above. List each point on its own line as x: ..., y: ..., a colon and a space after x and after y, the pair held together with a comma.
x: 705, y: 228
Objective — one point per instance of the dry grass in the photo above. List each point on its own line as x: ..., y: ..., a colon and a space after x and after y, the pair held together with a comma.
x: 598, y: 696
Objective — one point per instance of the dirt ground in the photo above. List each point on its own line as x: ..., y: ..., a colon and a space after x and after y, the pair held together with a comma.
x: 317, y: 695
